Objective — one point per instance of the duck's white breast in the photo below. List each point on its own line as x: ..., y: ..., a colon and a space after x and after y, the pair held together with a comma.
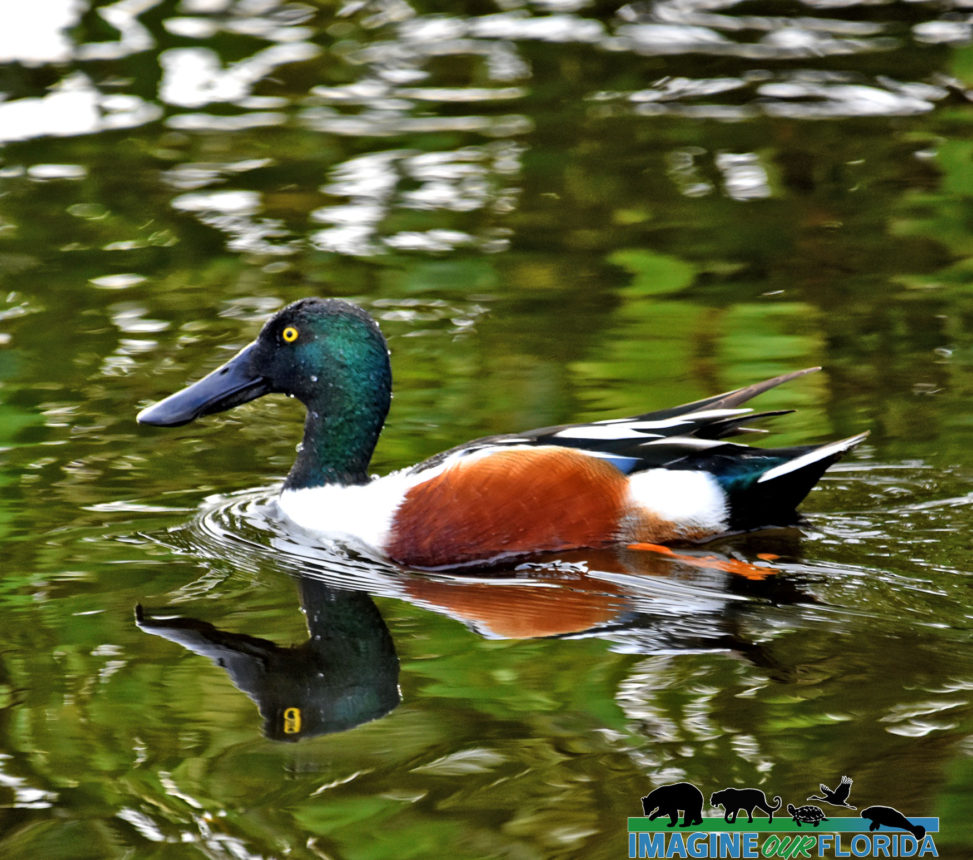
x: 361, y: 513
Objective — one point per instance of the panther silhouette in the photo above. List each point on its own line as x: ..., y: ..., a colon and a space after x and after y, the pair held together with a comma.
x: 669, y: 799
x: 734, y: 799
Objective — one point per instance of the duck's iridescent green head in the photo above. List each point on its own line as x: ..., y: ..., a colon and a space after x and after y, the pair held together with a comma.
x: 327, y: 353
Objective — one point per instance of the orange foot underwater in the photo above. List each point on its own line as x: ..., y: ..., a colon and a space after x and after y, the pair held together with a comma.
x: 653, y: 478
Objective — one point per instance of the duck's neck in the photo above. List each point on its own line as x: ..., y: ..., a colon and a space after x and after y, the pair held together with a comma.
x: 338, y: 442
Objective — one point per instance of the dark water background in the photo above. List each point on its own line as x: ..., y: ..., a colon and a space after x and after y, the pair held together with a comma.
x: 557, y: 210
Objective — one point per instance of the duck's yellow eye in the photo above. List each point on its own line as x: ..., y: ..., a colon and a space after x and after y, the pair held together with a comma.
x: 289, y: 334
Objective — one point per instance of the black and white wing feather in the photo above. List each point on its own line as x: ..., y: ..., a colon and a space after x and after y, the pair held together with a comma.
x: 652, y: 439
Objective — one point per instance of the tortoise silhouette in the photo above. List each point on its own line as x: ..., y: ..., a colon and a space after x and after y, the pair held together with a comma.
x: 806, y: 814
x: 889, y: 817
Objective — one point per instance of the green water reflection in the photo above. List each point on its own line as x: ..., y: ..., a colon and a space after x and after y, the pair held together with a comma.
x: 557, y: 211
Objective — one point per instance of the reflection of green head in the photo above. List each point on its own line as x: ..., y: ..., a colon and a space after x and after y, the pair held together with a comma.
x: 345, y: 674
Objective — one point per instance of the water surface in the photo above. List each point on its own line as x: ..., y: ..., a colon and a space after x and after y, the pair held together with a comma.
x: 557, y: 211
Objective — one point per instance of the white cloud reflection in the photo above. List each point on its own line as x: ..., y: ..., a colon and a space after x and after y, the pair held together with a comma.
x: 473, y: 121
x: 74, y: 106
x: 193, y: 77
x: 471, y: 179
x: 37, y: 34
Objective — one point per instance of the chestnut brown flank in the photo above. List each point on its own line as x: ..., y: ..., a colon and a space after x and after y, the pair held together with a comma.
x: 510, y: 503
x: 642, y: 526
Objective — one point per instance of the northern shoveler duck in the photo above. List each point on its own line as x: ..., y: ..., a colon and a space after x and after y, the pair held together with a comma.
x: 654, y: 478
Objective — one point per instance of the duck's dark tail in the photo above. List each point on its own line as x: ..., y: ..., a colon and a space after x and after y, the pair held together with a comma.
x: 765, y: 486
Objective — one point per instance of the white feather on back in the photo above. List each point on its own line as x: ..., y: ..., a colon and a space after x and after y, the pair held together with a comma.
x: 813, y: 456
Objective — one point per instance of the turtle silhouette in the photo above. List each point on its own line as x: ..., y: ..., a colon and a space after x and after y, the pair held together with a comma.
x: 669, y: 799
x: 806, y: 814
x: 838, y: 797
x: 889, y: 817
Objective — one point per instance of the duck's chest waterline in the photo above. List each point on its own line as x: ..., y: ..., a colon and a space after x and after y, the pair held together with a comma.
x: 361, y: 513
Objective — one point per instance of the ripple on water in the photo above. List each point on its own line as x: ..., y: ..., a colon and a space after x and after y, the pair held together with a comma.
x: 898, y: 549
x: 247, y: 530
x: 894, y: 567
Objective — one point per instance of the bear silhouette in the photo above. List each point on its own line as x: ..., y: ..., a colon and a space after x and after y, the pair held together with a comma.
x: 889, y: 817
x: 734, y: 799
x: 669, y: 799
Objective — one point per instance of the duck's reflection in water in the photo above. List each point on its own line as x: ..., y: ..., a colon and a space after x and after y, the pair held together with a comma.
x: 345, y: 674
x: 649, y: 600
